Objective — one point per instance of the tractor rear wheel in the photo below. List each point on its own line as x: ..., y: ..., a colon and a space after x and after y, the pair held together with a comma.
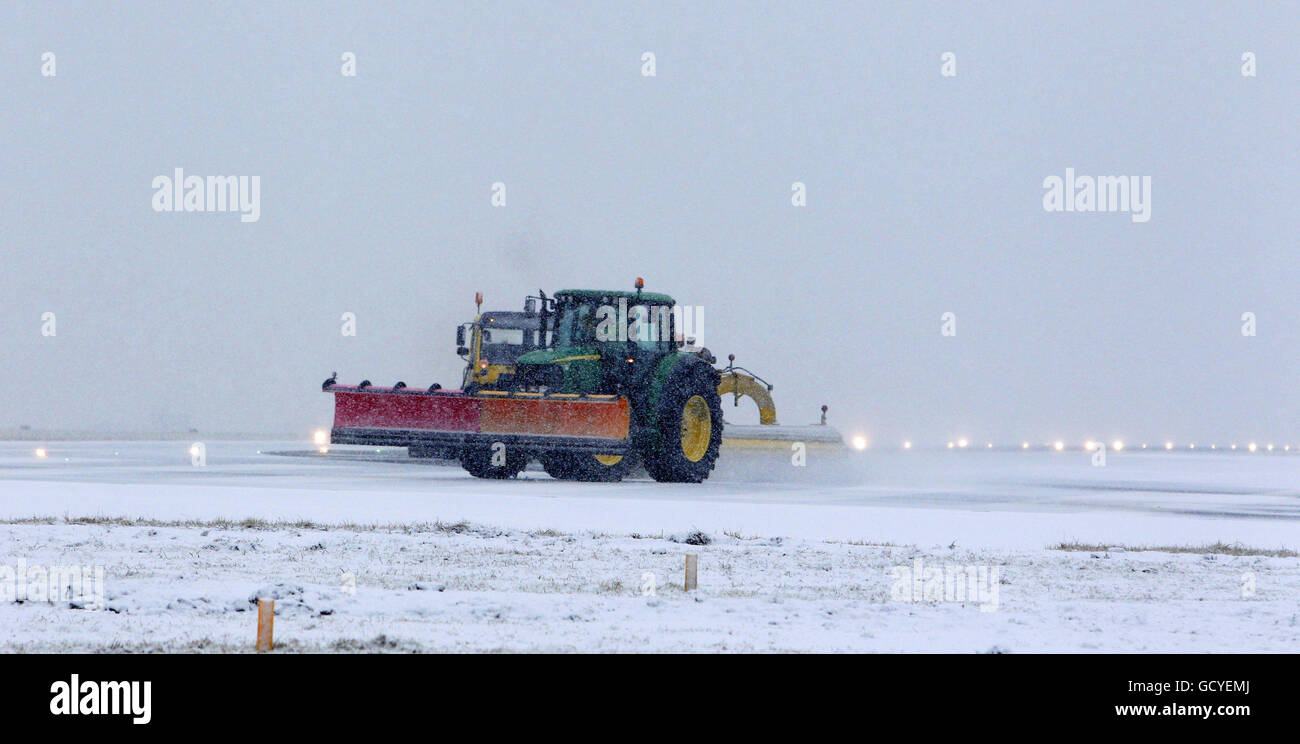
x: 580, y: 466
x: 478, y: 460
x: 689, y: 416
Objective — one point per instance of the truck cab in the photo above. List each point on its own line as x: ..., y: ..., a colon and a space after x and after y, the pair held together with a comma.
x: 492, y: 342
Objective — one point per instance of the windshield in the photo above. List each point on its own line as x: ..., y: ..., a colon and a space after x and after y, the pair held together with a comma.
x: 584, y: 323
x: 575, y: 324
x: 504, y: 345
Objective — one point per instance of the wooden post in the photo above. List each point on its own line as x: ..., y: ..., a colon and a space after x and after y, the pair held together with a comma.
x: 265, y: 621
x: 692, y: 571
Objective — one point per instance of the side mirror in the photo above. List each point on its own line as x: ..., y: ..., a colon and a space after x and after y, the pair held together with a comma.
x: 462, y: 351
x: 460, y: 339
x: 530, y: 306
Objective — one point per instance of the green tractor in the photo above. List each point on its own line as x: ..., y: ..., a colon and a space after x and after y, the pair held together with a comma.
x: 624, y: 344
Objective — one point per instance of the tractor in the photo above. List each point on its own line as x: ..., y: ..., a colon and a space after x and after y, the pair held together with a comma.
x: 609, y: 387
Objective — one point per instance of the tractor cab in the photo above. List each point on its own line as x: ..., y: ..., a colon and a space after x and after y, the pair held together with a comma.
x: 601, y: 342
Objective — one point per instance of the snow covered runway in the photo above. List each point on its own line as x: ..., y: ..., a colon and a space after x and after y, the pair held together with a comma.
x: 442, y: 561
x: 978, y: 499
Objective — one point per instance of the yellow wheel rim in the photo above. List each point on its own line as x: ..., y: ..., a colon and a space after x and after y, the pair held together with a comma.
x: 609, y: 460
x: 697, y: 426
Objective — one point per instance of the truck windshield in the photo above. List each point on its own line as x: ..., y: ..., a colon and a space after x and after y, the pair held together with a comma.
x: 504, y: 345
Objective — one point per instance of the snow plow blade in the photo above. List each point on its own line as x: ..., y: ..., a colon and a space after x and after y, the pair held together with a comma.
x: 776, y: 437
x: 448, y: 421
x: 808, y: 455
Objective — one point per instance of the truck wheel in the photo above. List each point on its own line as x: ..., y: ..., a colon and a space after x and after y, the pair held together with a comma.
x: 478, y: 461
x: 689, y: 416
x: 580, y: 466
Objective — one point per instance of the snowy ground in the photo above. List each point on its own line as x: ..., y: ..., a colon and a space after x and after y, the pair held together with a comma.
x: 809, y: 565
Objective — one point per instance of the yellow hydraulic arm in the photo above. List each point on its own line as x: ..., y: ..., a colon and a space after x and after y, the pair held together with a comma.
x: 740, y: 384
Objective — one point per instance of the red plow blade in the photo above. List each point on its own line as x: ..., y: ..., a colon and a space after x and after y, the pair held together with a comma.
x: 450, y: 419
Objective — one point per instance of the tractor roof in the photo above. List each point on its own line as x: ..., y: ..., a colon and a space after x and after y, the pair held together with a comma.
x: 596, y: 294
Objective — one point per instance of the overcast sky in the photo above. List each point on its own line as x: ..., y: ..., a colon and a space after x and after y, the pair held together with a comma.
x: 924, y: 196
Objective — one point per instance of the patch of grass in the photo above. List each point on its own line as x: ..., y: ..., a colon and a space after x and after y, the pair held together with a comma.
x: 638, y: 536
x: 694, y: 537
x: 867, y: 544
x: 254, y: 523
x: 378, y: 643
x: 1217, y: 548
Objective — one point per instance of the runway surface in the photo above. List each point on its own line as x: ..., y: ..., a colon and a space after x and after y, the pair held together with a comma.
x: 998, y: 497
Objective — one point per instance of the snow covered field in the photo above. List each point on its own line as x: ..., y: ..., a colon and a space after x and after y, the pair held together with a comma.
x: 396, y: 555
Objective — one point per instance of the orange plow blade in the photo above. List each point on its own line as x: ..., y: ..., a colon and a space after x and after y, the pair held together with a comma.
x: 556, y: 417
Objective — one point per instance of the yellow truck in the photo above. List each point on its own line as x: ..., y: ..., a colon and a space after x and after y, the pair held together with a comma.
x: 492, y: 342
